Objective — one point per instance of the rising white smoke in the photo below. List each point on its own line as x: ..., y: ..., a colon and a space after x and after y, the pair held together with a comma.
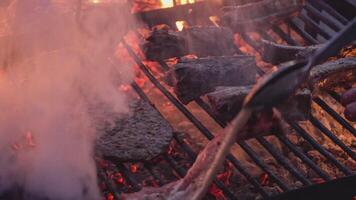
x: 58, y: 81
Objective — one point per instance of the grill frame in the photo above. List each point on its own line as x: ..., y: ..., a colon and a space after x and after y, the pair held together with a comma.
x: 313, y: 34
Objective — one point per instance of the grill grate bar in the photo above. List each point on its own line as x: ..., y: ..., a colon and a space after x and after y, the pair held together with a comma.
x: 307, y: 37
x: 157, y: 178
x: 181, y: 171
x: 193, y: 156
x: 330, y: 10
x: 318, y: 147
x: 262, y: 165
x: 129, y: 177
x: 283, y: 35
x: 335, y: 115
x: 283, y: 161
x: 310, y: 23
x: 318, y: 15
x: 109, y: 183
x: 336, y: 140
x: 303, y: 157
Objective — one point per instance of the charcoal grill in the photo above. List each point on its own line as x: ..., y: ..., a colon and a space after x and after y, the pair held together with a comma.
x: 318, y: 21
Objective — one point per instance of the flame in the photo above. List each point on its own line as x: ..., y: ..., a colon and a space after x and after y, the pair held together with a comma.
x: 180, y: 25
x: 167, y: 3
x: 214, y: 20
x: 95, y: 1
x: 170, y: 3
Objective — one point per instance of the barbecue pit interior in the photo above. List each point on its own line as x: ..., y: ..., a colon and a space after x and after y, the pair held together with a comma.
x: 194, y: 62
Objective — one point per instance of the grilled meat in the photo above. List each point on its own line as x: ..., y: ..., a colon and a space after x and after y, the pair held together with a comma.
x: 327, y: 75
x: 202, y: 41
x: 140, y: 136
x: 195, y: 77
x: 277, y: 53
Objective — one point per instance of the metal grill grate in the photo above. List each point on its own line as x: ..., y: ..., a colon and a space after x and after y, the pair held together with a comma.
x: 317, y: 23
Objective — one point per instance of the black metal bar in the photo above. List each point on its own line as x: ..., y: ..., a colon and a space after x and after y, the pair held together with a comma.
x: 300, y: 30
x: 341, y: 188
x: 335, y: 96
x: 330, y: 135
x: 180, y: 171
x: 314, y: 26
x: 318, y: 147
x: 248, y: 176
x: 261, y: 164
x: 284, y: 162
x: 283, y: 35
x: 335, y: 115
x: 109, y: 183
x: 317, y: 14
x: 303, y: 157
x: 130, y: 178
x: 193, y: 156
x: 330, y: 10
x: 157, y: 178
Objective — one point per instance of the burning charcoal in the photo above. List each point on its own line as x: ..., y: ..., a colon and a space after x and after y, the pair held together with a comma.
x: 142, y: 136
x: 201, y: 41
x: 348, y: 97
x: 259, y: 14
x: 350, y: 111
x: 278, y: 53
x: 196, y: 77
x: 334, y: 73
x: 227, y: 102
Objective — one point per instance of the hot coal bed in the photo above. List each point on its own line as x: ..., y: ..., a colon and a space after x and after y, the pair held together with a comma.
x: 315, y: 159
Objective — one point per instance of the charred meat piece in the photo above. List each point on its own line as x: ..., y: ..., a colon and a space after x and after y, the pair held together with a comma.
x: 164, y: 43
x: 334, y: 73
x: 140, y: 136
x: 348, y: 97
x: 200, y: 40
x: 226, y: 102
x: 350, y: 111
x: 277, y: 53
x: 195, y: 77
x: 259, y: 14
x: 209, y: 41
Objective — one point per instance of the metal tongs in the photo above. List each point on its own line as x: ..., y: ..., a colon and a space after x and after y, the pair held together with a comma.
x: 281, y: 84
x: 269, y: 92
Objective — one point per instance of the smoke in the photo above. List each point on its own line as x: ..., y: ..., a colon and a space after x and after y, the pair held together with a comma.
x: 59, y: 83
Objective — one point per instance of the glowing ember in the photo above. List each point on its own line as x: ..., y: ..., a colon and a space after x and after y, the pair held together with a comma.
x: 264, y: 179
x: 110, y: 196
x: 216, y: 192
x: 133, y: 168
x: 119, y: 178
